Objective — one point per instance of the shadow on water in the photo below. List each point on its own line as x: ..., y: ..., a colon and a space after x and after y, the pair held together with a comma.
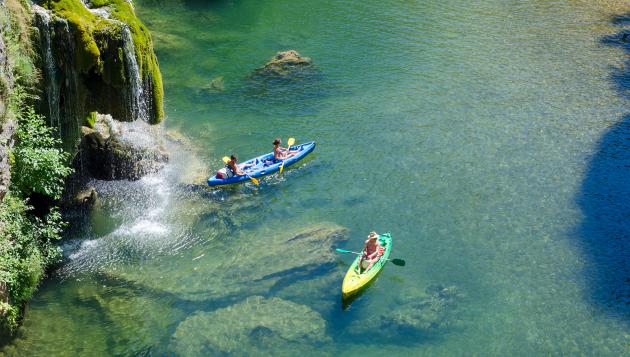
x: 605, y: 201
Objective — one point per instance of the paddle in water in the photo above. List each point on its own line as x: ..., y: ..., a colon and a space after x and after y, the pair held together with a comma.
x: 290, y: 142
x: 398, y: 262
x: 227, y: 159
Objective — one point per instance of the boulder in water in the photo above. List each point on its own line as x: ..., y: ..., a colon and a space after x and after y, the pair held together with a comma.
x: 85, y: 198
x: 256, y: 326
x: 117, y: 151
x: 284, y: 63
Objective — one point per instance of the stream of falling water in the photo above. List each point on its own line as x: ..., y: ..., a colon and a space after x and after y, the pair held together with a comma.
x: 52, y: 87
x: 137, y: 100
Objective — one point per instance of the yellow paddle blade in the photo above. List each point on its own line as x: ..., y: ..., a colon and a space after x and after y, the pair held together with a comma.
x: 282, y: 166
x: 226, y: 159
x: 255, y: 181
x: 290, y: 142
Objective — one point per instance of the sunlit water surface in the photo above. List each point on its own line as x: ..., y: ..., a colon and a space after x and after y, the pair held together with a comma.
x: 467, y: 129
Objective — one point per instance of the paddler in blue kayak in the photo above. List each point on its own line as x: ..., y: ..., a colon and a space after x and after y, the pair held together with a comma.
x: 371, y: 253
x: 280, y: 153
x: 232, y: 165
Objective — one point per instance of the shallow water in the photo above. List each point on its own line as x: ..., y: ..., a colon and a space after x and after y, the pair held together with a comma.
x: 488, y: 138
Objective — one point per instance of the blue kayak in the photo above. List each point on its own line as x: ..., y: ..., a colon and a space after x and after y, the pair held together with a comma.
x: 264, y: 165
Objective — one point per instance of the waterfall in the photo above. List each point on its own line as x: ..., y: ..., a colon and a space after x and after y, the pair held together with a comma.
x: 137, y: 100
x: 50, y: 69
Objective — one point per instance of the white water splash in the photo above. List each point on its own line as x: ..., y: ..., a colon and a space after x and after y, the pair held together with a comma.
x: 152, y: 217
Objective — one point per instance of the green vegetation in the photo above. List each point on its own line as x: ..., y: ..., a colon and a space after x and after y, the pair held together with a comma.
x: 26, y: 250
x: 38, y: 162
x: 90, y: 119
x: 89, y: 55
x: 38, y: 166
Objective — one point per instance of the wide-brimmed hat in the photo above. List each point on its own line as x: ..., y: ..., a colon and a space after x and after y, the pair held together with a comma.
x: 373, y: 235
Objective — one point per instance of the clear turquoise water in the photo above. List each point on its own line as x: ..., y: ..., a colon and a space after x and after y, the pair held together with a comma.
x: 487, y: 137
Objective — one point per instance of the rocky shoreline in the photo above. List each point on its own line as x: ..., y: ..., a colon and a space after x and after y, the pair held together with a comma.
x: 93, y: 57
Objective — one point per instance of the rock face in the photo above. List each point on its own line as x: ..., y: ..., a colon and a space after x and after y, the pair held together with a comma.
x: 284, y: 63
x: 255, y: 326
x: 95, y: 59
x: 7, y: 125
x: 83, y: 199
x: 120, y: 151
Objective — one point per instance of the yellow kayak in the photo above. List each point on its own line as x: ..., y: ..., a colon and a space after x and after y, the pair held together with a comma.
x: 354, y: 282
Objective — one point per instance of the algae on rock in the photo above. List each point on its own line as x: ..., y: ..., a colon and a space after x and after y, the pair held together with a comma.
x: 96, y: 59
x: 256, y: 326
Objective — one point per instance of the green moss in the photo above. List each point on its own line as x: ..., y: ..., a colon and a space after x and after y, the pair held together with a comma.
x: 84, y: 23
x: 99, y: 3
x: 89, y: 56
x: 145, y: 56
x: 90, y: 119
x: 158, y: 92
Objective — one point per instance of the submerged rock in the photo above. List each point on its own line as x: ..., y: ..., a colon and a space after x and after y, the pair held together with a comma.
x: 249, y: 264
x: 284, y: 63
x: 115, y: 150
x: 256, y: 326
x: 138, y: 318
x: 413, y: 314
x: 216, y: 85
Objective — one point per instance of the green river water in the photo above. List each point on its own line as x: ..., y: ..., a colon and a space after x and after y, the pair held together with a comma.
x: 489, y: 138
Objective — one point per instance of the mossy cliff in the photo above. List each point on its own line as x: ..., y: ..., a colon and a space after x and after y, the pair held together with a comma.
x: 64, y: 60
x: 96, y: 59
x: 32, y: 171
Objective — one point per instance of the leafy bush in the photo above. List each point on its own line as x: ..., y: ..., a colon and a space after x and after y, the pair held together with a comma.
x: 39, y: 162
x: 26, y: 249
x: 27, y: 246
x: 38, y: 166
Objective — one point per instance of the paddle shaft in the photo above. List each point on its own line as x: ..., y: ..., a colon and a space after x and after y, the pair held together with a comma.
x: 290, y: 142
x: 357, y: 253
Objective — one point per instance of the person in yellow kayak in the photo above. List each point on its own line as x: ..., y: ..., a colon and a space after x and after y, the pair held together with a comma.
x: 371, y: 253
x: 280, y: 153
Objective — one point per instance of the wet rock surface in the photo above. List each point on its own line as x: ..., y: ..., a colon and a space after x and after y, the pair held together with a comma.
x: 256, y: 326
x: 7, y: 125
x: 95, y: 59
x: 116, y: 151
x: 85, y: 198
x: 284, y: 63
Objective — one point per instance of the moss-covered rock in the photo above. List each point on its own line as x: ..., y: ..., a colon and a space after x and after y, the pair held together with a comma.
x: 116, y: 150
x: 255, y: 326
x: 97, y: 58
x: 284, y: 63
